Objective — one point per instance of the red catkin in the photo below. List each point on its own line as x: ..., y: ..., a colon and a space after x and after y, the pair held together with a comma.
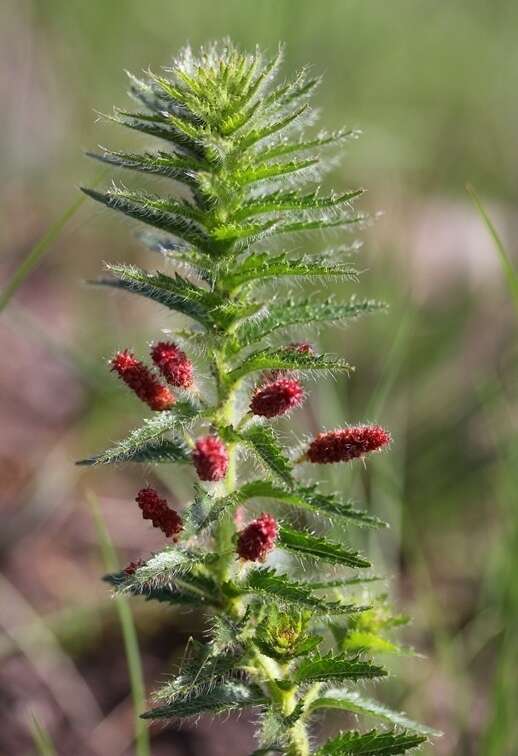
x: 277, y: 398
x: 142, y: 381
x: 258, y: 538
x: 210, y: 458
x: 347, y: 443
x: 173, y: 363
x: 155, y: 509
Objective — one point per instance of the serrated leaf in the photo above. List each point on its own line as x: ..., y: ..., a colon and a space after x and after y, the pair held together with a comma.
x: 291, y: 313
x: 370, y: 744
x: 263, y: 441
x: 174, y: 293
x: 277, y: 587
x: 148, y: 443
x: 261, y: 266
x: 284, y: 359
x: 255, y: 173
x: 227, y: 697
x: 170, y: 217
x: 198, y: 674
x: 306, y: 544
x: 282, y: 201
x: 165, y: 595
x: 165, y: 164
x: 284, y: 148
x: 156, y: 125
x: 351, y: 700
x: 332, y: 668
x: 308, y: 498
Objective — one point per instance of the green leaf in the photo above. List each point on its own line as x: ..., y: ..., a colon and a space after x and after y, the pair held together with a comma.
x: 286, y: 359
x: 279, y: 201
x: 316, y: 547
x: 254, y: 173
x: 331, y: 668
x: 351, y: 700
x: 370, y: 744
x: 257, y: 134
x: 290, y: 313
x: 165, y: 164
x: 308, y: 498
x: 199, y: 674
x: 156, y: 126
x: 283, y: 148
x: 276, y: 587
x: 263, y: 441
x: 223, y: 698
x: 147, y: 443
x: 175, y: 293
x: 261, y: 266
x: 165, y: 595
x: 174, y: 218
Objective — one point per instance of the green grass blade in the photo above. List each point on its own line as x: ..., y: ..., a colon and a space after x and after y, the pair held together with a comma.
x: 40, y: 248
x: 41, y: 739
x: 507, y: 266
x: 129, y: 634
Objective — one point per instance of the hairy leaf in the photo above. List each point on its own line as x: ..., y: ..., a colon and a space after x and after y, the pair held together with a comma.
x: 148, y: 443
x: 306, y: 544
x: 262, y: 266
x: 263, y: 441
x: 290, y: 313
x: 276, y: 587
x: 351, y: 700
x: 285, y: 359
x: 227, y: 697
x: 370, y: 744
x: 175, y: 293
x: 331, y: 668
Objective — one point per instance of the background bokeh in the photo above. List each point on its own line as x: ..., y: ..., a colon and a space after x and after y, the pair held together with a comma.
x: 433, y: 87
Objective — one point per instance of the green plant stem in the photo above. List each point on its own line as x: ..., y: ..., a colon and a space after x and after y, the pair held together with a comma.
x: 41, y: 739
x: 129, y: 633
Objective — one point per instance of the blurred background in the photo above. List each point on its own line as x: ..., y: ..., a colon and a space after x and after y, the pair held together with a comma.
x: 433, y: 87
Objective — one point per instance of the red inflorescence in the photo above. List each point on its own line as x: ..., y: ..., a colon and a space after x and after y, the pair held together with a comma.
x: 155, y: 509
x: 258, y: 538
x: 277, y: 398
x: 347, y: 443
x: 132, y: 567
x: 210, y: 458
x: 173, y: 363
x: 142, y: 381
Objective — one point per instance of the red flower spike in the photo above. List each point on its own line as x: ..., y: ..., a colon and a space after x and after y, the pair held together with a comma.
x: 348, y: 443
x: 132, y: 567
x: 142, y: 381
x: 210, y: 458
x: 173, y: 363
x: 277, y: 398
x: 155, y: 509
x: 258, y: 538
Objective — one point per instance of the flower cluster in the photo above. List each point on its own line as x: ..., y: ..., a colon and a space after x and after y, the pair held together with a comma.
x: 210, y: 458
x: 277, y: 398
x: 258, y: 538
x: 173, y: 363
x: 347, y: 443
x: 155, y: 509
x: 142, y: 381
